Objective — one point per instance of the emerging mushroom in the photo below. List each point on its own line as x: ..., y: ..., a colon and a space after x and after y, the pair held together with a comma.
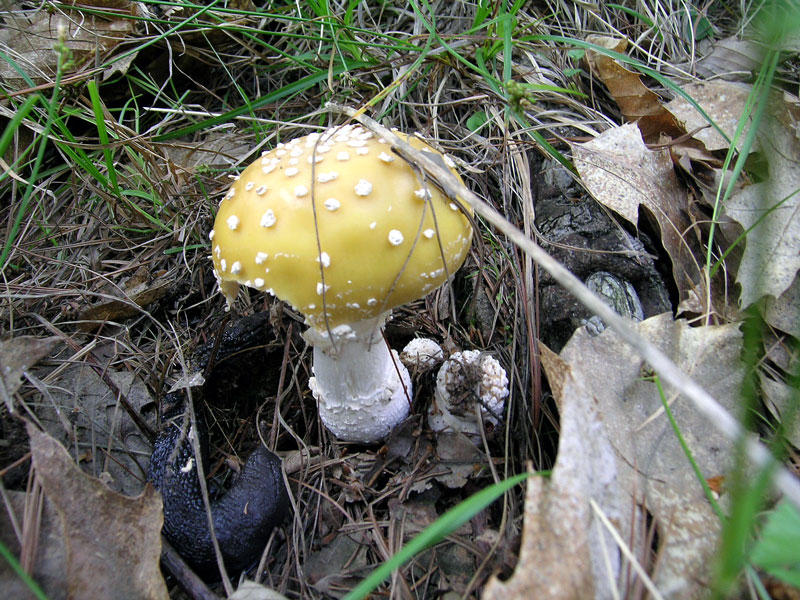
x: 422, y: 354
x: 468, y: 382
x: 344, y: 230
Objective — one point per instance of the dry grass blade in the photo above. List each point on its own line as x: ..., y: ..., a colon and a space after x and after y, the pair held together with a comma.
x: 625, y: 550
x: 758, y: 454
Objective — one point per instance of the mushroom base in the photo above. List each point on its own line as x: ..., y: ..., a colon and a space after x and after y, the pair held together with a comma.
x: 470, y: 387
x: 363, y: 389
x: 442, y: 419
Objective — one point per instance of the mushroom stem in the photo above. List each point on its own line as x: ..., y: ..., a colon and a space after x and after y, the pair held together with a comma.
x: 362, y: 388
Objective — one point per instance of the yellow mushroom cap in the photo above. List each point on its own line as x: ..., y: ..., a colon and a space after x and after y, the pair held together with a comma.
x: 382, y: 235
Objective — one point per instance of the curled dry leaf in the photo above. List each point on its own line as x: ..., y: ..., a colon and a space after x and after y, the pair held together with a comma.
x: 722, y: 101
x: 566, y: 552
x: 784, y: 312
x: 19, y: 354
x: 623, y: 174
x: 84, y: 412
x: 779, y: 399
x: 637, y: 103
x: 732, y: 59
x: 770, y: 260
x: 457, y: 459
x: 338, y: 565
x: 114, y: 542
x: 250, y: 590
x: 139, y: 291
x: 654, y: 473
x: 218, y: 150
x: 31, y: 44
x: 770, y: 210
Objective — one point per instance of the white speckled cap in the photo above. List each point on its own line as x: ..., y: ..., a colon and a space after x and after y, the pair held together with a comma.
x: 335, y: 224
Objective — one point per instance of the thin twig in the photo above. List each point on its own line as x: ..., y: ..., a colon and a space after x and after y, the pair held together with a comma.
x: 188, y: 580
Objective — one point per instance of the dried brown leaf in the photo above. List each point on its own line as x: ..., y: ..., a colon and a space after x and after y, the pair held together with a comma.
x: 139, y: 291
x: 565, y: 551
x: 772, y: 208
x: 218, y: 150
x: 780, y: 400
x: 337, y: 565
x: 723, y: 101
x: 84, y: 411
x: 19, y: 354
x: 113, y: 541
x: 48, y: 563
x: 623, y: 174
x: 31, y: 44
x: 654, y: 472
x: 770, y: 260
x: 250, y: 590
x: 457, y: 459
x: 730, y: 59
x: 784, y: 312
x: 637, y: 103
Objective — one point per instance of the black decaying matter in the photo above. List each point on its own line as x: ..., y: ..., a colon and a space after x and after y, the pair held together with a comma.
x: 244, y: 517
x: 257, y: 502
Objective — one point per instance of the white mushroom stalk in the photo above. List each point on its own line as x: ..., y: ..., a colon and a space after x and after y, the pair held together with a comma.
x: 469, y: 386
x: 362, y: 388
x: 338, y: 226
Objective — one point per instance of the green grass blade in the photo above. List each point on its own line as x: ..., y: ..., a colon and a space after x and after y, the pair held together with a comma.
x: 507, y: 31
x: 633, y: 13
x: 97, y: 107
x: 12, y: 561
x: 127, y: 194
x: 37, y: 163
x: 430, y: 25
x: 286, y: 91
x: 8, y: 133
